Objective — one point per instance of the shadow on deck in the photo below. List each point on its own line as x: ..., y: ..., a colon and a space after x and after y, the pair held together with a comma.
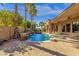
x: 14, y: 44
x: 49, y: 51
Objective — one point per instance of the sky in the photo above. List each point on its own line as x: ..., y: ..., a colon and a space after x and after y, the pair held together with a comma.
x: 45, y: 11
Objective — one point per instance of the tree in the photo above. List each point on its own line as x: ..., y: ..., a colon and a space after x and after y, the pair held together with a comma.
x: 20, y: 19
x: 16, y: 30
x: 41, y: 24
x: 25, y: 10
x: 28, y: 23
x: 27, y: 7
x: 7, y: 18
x: 32, y: 11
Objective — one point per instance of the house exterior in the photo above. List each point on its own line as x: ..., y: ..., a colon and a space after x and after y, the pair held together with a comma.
x: 65, y: 22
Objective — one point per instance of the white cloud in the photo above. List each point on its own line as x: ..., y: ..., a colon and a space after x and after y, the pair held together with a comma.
x: 46, y: 10
x: 43, y: 8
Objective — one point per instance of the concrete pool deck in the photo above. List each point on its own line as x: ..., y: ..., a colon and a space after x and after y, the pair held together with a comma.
x: 60, y: 48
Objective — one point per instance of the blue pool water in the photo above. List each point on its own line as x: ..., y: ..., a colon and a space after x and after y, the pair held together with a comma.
x: 38, y: 37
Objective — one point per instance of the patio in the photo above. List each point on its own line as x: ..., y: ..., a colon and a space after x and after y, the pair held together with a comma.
x: 60, y: 48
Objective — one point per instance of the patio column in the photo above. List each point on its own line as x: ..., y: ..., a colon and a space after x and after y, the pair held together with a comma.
x: 59, y: 28
x: 65, y: 28
x: 50, y: 28
x: 71, y: 30
x: 47, y: 29
x: 53, y: 28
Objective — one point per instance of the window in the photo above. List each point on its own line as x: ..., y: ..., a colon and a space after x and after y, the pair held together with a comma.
x: 76, y: 26
x: 63, y: 29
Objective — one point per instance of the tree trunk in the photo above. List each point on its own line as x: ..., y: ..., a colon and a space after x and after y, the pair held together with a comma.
x: 16, y: 30
x: 32, y: 25
x: 25, y: 25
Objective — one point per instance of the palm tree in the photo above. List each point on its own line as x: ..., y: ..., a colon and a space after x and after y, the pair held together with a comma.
x: 32, y: 12
x: 25, y: 10
x: 16, y: 30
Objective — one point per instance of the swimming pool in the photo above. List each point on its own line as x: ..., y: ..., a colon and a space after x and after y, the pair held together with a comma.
x: 39, y: 37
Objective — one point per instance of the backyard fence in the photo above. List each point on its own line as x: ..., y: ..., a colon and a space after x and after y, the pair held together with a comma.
x: 6, y: 32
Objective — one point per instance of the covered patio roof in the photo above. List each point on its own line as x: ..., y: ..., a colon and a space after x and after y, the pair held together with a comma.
x: 68, y: 14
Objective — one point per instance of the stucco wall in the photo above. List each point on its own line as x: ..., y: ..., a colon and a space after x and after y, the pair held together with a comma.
x: 6, y: 33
